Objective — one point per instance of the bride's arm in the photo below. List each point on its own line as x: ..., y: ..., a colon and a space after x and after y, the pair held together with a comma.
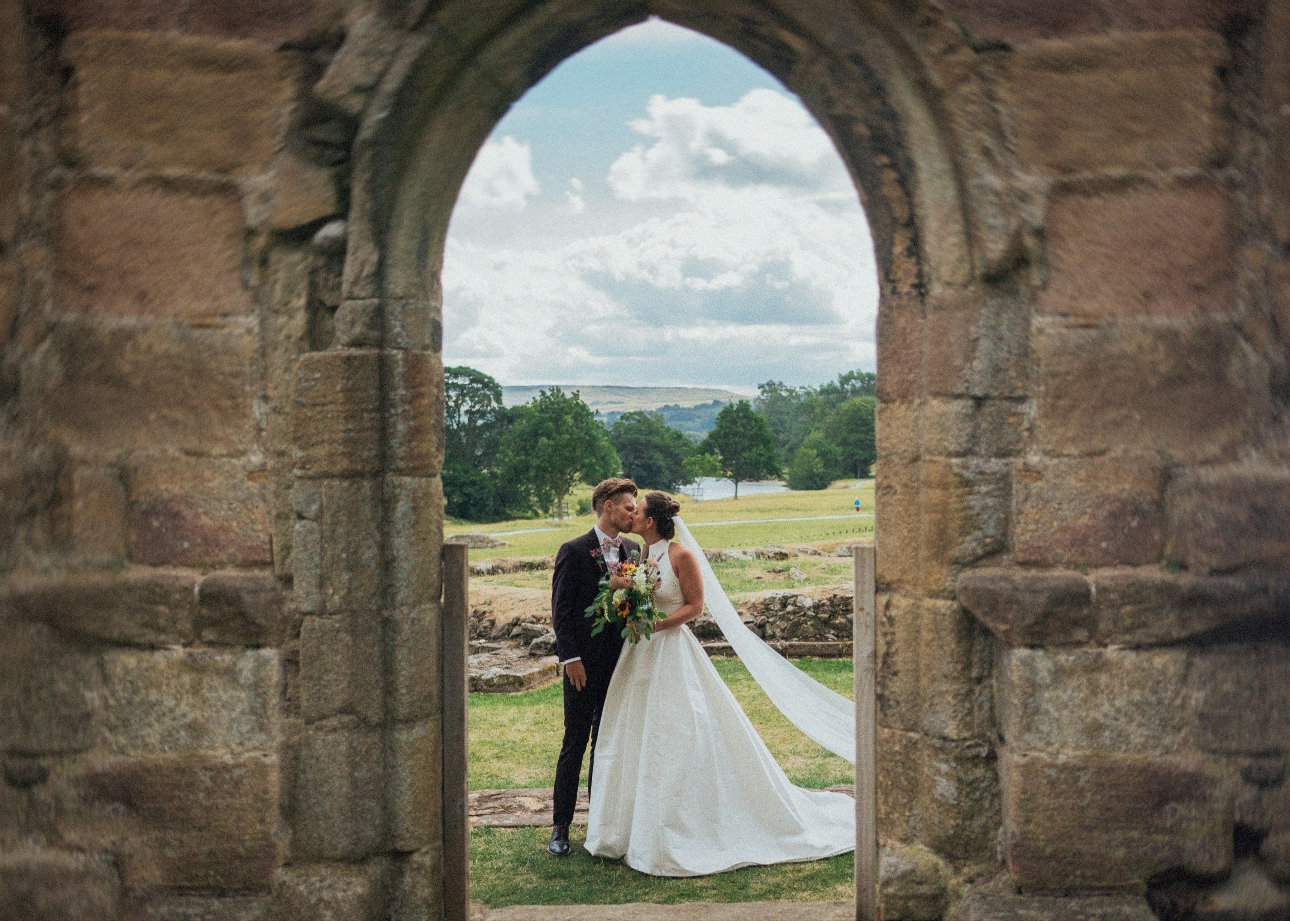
x: 687, y: 573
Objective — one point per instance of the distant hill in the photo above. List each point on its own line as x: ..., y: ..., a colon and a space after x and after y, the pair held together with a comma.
x: 692, y: 410
x: 626, y: 399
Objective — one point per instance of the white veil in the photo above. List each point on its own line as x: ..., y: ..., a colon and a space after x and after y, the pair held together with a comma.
x: 824, y: 715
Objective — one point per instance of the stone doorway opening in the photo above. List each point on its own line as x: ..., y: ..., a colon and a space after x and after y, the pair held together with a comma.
x: 945, y: 236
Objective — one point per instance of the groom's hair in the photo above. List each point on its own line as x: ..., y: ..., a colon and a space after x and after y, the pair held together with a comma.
x: 607, y: 489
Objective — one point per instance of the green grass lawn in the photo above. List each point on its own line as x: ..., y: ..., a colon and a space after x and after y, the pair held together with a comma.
x: 510, y: 866
x: 514, y: 741
x: 515, y: 738
x: 545, y: 536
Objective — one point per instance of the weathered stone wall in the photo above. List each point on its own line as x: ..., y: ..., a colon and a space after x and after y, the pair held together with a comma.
x: 221, y: 224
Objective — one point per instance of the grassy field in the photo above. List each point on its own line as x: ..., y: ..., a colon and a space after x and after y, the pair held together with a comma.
x: 724, y: 523
x: 514, y: 740
x: 510, y: 866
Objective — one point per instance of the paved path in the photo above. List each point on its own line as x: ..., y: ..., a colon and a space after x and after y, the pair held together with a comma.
x: 694, y: 911
x: 713, y: 524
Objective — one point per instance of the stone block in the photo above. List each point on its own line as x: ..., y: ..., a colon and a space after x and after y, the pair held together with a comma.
x: 1151, y: 607
x: 13, y: 55
x: 414, y: 535
x: 351, y: 574
x: 40, y: 884
x: 414, y: 395
x: 336, y: 414
x: 1104, y: 821
x: 999, y: 20
x: 358, y: 66
x: 1187, y: 390
x: 273, y: 21
x: 1276, y: 64
x: 1123, y: 606
x: 1114, y: 701
x: 1239, y: 698
x: 414, y: 682
x: 1142, y: 102
x: 182, y: 701
x: 1097, y: 511
x: 1279, y: 290
x: 951, y: 336
x: 199, y: 511
x: 10, y: 290
x: 944, y: 795
x: 302, y: 194
x: 306, y: 567
x: 898, y: 502
x: 340, y: 668
x: 186, y: 388
x: 899, y: 659
x: 125, y: 15
x: 150, y: 250
x: 913, y: 883
x: 192, y: 822
x: 328, y: 893
x: 93, y: 511
x: 1140, y: 250
x: 900, y: 361
x: 1003, y: 428
x: 1279, y: 178
x: 998, y: 900
x: 206, y: 908
x: 1275, y: 851
x: 306, y: 499
x: 240, y: 609
x: 418, y: 886
x: 52, y: 694
x: 1155, y: 16
x: 964, y: 517
x: 1230, y: 518
x: 415, y: 785
x: 138, y: 607
x: 10, y: 178
x: 160, y: 102
x: 339, y: 795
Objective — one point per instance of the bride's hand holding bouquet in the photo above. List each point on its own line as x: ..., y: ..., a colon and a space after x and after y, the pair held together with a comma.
x: 626, y: 598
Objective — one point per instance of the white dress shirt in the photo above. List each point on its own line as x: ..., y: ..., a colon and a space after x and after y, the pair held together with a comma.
x: 612, y: 555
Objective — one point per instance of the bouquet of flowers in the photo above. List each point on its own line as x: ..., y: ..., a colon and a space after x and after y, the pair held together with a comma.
x: 626, y: 597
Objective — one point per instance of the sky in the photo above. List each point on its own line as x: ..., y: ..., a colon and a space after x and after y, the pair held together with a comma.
x: 659, y: 211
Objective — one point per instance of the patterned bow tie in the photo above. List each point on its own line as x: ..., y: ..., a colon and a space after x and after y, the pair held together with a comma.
x: 612, y: 542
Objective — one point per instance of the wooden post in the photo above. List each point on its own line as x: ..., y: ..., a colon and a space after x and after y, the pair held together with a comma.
x: 865, y: 643
x: 456, y: 689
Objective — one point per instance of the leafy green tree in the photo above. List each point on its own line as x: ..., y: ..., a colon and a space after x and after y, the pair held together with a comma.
x: 851, y: 428
x: 652, y: 452
x: 474, y: 422
x: 556, y: 441
x: 807, y: 470
x: 849, y: 385
x: 744, y: 442
x: 782, y: 407
x: 703, y: 465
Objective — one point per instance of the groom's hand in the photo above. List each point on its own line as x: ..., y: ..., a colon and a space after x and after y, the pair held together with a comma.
x: 577, y: 675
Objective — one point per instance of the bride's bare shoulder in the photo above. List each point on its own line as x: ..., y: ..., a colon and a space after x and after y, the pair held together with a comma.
x: 678, y: 554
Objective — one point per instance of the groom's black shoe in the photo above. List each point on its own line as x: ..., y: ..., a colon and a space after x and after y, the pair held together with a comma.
x: 559, y: 846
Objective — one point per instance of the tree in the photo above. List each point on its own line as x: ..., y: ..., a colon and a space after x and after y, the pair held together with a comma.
x: 781, y: 405
x: 652, y: 452
x: 744, y: 442
x: 851, y: 428
x: 555, y: 441
x: 849, y: 385
x: 474, y: 422
x: 703, y: 465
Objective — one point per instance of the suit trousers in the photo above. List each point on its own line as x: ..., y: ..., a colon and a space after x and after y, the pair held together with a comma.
x: 581, y: 721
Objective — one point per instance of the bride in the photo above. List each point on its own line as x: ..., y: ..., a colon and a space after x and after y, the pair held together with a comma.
x: 684, y: 785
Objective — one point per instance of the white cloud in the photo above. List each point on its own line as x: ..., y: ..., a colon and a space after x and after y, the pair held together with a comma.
x: 501, y: 176
x: 653, y: 31
x: 739, y: 254
x: 573, y: 197
x: 766, y: 138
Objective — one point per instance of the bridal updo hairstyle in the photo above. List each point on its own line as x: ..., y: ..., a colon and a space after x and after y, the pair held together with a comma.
x: 662, y: 508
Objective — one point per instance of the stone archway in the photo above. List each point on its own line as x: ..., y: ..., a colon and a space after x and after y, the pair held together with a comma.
x: 898, y: 95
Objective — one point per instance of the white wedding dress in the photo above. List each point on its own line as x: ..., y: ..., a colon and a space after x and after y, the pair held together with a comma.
x: 684, y: 785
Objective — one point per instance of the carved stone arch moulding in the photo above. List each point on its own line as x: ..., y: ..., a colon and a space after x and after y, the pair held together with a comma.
x: 898, y: 92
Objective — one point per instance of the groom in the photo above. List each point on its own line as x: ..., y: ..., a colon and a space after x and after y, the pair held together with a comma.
x: 588, y: 660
